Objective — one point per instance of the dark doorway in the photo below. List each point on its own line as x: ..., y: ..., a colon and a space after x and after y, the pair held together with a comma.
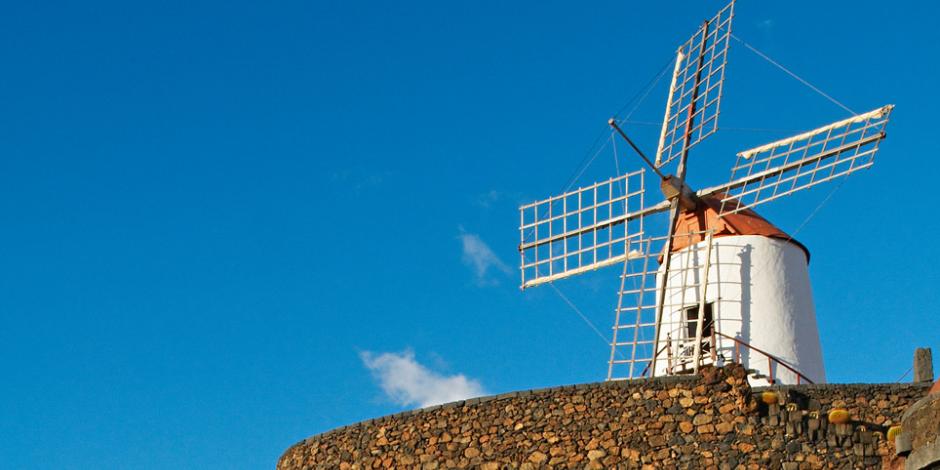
x: 708, y: 322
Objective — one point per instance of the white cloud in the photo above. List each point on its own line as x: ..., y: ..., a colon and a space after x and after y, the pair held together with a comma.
x: 489, y: 198
x: 481, y: 258
x: 766, y: 25
x: 357, y: 179
x: 407, y: 382
x: 497, y: 197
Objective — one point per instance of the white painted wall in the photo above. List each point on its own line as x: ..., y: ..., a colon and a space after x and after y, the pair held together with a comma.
x: 761, y: 294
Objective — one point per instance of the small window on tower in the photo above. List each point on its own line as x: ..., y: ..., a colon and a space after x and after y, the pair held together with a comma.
x: 691, y: 315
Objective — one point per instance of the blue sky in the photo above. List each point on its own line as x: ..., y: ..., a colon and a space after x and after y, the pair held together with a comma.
x: 219, y: 216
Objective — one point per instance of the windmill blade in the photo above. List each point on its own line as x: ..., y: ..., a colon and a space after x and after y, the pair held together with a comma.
x: 582, y: 230
x: 647, y: 290
x: 648, y: 308
x: 789, y: 165
x: 694, y: 100
x: 635, y: 325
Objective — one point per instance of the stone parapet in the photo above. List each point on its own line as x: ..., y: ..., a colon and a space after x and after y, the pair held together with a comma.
x: 713, y: 420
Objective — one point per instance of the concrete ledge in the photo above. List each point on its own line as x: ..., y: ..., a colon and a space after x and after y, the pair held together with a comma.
x: 927, y: 456
x: 921, y: 404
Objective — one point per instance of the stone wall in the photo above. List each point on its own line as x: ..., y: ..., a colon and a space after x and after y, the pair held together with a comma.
x: 920, y: 440
x: 713, y: 420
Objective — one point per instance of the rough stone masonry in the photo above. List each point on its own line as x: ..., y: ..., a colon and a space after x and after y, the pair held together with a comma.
x: 712, y: 420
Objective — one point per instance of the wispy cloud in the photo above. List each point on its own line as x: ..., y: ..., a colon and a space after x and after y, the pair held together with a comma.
x: 357, y: 179
x: 497, y: 197
x: 489, y: 198
x: 407, y: 382
x: 480, y: 257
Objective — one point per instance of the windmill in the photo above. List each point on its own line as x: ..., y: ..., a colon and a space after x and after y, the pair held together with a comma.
x: 722, y: 284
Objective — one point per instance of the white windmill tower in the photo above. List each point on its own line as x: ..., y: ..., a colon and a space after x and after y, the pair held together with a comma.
x: 723, y: 284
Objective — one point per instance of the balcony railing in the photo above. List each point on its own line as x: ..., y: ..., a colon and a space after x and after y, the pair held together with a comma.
x: 771, y: 359
x: 673, y: 365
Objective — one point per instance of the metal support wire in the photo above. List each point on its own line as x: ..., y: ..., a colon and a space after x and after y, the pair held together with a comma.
x: 790, y: 73
x: 578, y: 311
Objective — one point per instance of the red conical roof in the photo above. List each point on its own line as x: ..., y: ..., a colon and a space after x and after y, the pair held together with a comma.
x: 705, y: 217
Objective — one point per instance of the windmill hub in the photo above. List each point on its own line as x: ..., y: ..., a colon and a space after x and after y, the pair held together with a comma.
x: 674, y: 188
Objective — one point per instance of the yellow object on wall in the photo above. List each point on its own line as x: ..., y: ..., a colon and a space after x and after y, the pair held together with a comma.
x: 839, y: 416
